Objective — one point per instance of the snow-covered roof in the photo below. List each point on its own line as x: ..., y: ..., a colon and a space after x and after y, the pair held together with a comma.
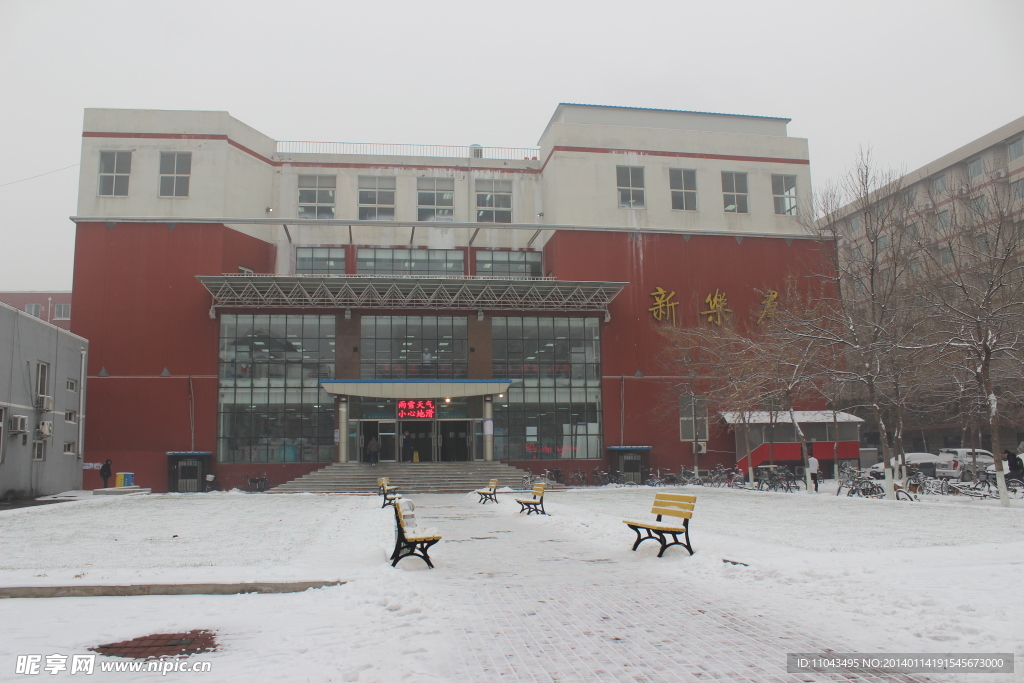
x: 782, y: 417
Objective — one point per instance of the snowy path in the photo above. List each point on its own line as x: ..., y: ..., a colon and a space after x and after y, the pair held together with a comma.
x: 535, y: 601
x: 519, y: 598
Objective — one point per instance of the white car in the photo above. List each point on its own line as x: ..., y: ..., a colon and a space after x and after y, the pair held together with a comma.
x: 878, y: 470
x: 953, y: 461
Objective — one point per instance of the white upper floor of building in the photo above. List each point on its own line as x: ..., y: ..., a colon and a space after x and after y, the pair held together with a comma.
x: 595, y: 167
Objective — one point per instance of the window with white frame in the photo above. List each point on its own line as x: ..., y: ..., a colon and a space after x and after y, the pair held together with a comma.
x: 975, y: 168
x: 72, y: 384
x: 115, y: 168
x: 979, y: 205
x: 435, y: 199
x: 69, y: 447
x: 734, y: 192
x: 175, y: 170
x: 1015, y: 150
x: 913, y: 232
x: 42, y: 378
x: 693, y: 418
x: 630, y: 181
x: 942, y: 220
x: 320, y: 261
x: 71, y: 416
x: 784, y: 194
x: 939, y: 185
x: 316, y: 196
x: 38, y: 450
x: 62, y: 311
x: 945, y: 256
x: 683, y: 184
x: 854, y: 224
x: 494, y: 201
x: 376, y: 198
x: 410, y: 262
x: 34, y: 310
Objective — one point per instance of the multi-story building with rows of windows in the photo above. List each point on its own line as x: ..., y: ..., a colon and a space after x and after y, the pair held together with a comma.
x: 280, y: 305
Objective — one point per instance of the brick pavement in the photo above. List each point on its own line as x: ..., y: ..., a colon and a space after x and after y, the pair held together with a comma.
x: 525, y: 613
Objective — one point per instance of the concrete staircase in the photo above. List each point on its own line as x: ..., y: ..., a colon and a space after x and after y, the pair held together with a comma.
x: 409, y: 477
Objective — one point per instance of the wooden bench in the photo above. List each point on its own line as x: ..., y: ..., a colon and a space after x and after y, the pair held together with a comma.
x: 489, y: 493
x: 388, y: 491
x: 535, y: 504
x: 674, y: 505
x: 410, y: 539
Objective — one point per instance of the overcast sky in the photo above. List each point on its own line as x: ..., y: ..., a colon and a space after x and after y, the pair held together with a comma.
x: 912, y: 80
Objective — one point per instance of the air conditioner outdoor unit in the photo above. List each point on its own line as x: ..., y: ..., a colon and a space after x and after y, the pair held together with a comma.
x: 18, y: 424
x: 44, y: 403
x: 46, y: 428
x: 962, y: 190
x: 700, y: 447
x: 1001, y: 175
x: 928, y: 206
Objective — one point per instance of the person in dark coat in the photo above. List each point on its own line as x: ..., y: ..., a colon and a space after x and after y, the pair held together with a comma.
x: 1015, y: 465
x: 406, y: 447
x: 105, y: 472
x: 373, y: 450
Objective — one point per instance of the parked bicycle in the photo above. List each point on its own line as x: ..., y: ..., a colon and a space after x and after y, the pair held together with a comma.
x: 258, y: 483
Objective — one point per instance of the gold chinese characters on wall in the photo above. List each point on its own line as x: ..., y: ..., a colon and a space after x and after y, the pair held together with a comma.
x: 716, y: 306
x: 664, y: 308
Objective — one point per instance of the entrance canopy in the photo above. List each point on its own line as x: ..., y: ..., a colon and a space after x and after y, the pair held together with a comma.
x: 415, y: 388
x: 764, y: 417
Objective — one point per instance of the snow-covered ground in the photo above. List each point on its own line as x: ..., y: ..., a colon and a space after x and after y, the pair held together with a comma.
x: 522, y: 598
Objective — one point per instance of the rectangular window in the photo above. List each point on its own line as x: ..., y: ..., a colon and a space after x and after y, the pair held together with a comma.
x: 1015, y: 150
x: 319, y: 261
x: 975, y: 168
x: 909, y: 197
x: 508, y: 263
x: 69, y: 447
x: 114, y: 170
x: 435, y: 199
x: 38, y: 450
x: 62, y: 312
x: 854, y: 224
x: 270, y: 406
x: 630, y: 180
x: 414, y: 347
x: 734, y: 192
x: 376, y: 198
x: 71, y: 416
x: 943, y: 220
x: 72, y: 385
x: 913, y: 232
x: 42, y: 378
x: 945, y: 256
x: 939, y: 185
x: 693, y: 418
x: 784, y: 194
x: 175, y: 169
x: 1017, y: 192
x: 553, y: 408
x: 411, y: 262
x: 979, y: 205
x: 683, y: 183
x: 33, y: 310
x: 494, y: 201
x: 316, y: 196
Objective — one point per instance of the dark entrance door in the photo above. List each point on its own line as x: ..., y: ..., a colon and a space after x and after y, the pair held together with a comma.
x: 384, y: 432
x: 417, y: 440
x: 455, y: 440
x: 186, y: 471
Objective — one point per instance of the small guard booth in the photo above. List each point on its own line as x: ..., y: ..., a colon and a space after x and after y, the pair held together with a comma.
x: 186, y: 470
x: 632, y: 461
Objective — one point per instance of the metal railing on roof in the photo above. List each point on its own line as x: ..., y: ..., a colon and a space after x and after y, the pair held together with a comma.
x: 536, y: 278
x: 390, y: 149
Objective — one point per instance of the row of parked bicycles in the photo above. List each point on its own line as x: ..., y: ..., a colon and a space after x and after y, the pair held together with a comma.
x: 767, y: 478
x: 978, y: 485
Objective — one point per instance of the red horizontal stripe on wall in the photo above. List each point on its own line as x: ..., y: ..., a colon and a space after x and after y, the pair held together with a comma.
x: 660, y: 153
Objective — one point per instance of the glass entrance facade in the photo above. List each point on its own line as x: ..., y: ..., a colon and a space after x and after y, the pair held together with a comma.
x: 553, y: 408
x: 270, y: 405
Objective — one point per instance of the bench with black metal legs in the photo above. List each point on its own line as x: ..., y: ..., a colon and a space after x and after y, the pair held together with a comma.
x: 411, y: 540
x: 388, y: 492
x: 674, y: 505
x: 535, y: 504
x: 490, y: 493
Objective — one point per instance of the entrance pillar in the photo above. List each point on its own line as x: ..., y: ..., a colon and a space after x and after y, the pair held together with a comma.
x: 341, y: 420
x: 488, y: 428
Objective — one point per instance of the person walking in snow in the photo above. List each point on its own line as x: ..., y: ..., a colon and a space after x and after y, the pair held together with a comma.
x: 1014, y: 464
x: 812, y: 467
